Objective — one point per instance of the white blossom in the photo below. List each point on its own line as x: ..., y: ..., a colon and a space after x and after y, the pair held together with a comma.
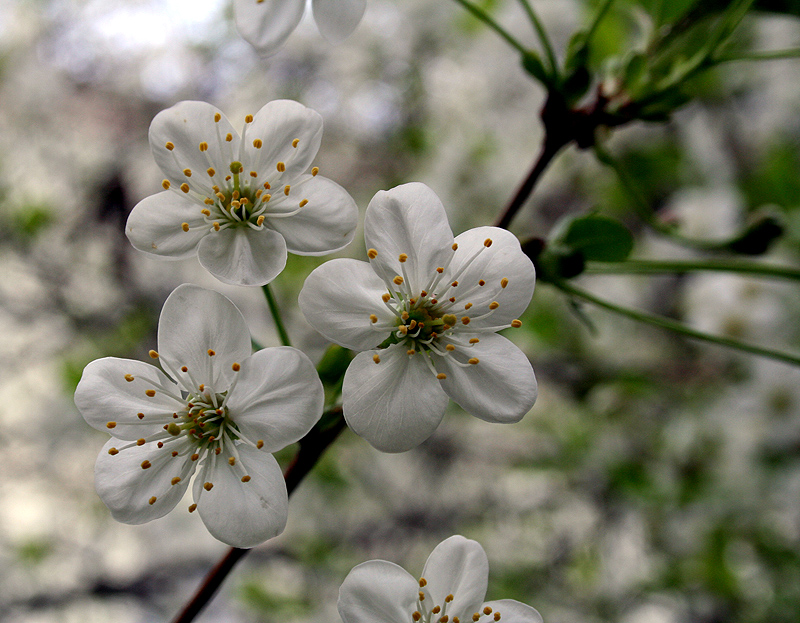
x: 425, y: 311
x: 212, y: 409
x: 452, y: 589
x: 241, y: 202
x: 267, y: 24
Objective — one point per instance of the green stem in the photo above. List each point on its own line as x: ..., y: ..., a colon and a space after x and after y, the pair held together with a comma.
x: 276, y: 315
x: 677, y: 327
x: 598, y: 17
x: 648, y: 267
x: 770, y: 55
x: 489, y: 21
x: 543, y: 38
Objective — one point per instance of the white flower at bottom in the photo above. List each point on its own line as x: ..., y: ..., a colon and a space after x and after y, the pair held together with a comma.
x: 266, y: 24
x: 426, y: 310
x: 214, y: 409
x: 451, y: 590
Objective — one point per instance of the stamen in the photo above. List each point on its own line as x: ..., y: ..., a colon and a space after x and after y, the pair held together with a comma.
x: 314, y: 171
x: 295, y: 142
x: 165, y: 184
x: 170, y: 145
x: 503, y: 282
x: 376, y: 358
x: 152, y: 500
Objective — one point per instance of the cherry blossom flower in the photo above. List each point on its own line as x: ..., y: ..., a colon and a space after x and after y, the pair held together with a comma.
x: 240, y: 202
x: 425, y: 311
x: 452, y: 589
x: 212, y: 408
x: 267, y: 24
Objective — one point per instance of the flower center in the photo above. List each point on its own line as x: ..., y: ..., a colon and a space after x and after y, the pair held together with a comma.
x: 429, y: 612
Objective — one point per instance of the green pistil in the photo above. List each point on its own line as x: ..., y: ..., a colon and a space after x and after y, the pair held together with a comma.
x: 236, y: 168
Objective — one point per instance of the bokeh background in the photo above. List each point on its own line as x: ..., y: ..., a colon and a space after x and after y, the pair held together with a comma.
x: 656, y: 480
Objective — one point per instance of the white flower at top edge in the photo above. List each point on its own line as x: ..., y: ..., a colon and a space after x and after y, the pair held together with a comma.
x: 267, y: 24
x: 240, y: 202
x: 452, y: 589
x: 212, y: 409
x: 426, y: 310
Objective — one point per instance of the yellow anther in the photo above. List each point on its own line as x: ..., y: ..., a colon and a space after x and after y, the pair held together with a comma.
x: 248, y: 119
x: 236, y: 367
x: 229, y: 137
x: 220, y: 196
x: 113, y: 451
x: 185, y: 226
x: 175, y: 480
x: 494, y: 305
x: 152, y: 500
x: 211, y: 172
x: 385, y: 297
x: 473, y: 360
x: 266, y: 197
x: 416, y: 615
x: 455, y: 246
x: 129, y: 377
x: 286, y: 189
x: 257, y: 143
x: 481, y: 283
x: 153, y: 354
x: 423, y: 293
x: 206, y: 211
x: 150, y: 393
x: 232, y: 460
x: 372, y: 254
x: 185, y: 187
x: 165, y: 184
x: 253, y: 174
x: 468, y: 305
x: 202, y: 387
x: 281, y: 166
x: 503, y: 282
x: 187, y: 172
x: 208, y: 486
x: 260, y: 220
x: 465, y: 320
x: 245, y: 478
x: 192, y: 508
x: 441, y: 376
x: 404, y: 316
x: 314, y: 171
x: 456, y: 620
x: 215, y: 225
x: 170, y: 145
x: 140, y: 416
x: 211, y: 353
x: 487, y: 610
x: 402, y: 329
x: 444, y: 619
x: 267, y: 186
x: 373, y: 318
x: 516, y: 324
x: 260, y: 444
x: 146, y: 464
x: 411, y: 351
x: 203, y: 146
x: 496, y: 616
x: 487, y: 243
x: 195, y: 456
x: 217, y: 117
x: 141, y: 442
x: 474, y: 340
x: 295, y: 142
x: 476, y: 617
x: 450, y: 348
x: 303, y: 203
x: 421, y: 596
x: 440, y: 270
x: 436, y: 609
x: 403, y: 258
x: 184, y: 369
x: 398, y: 280
x: 449, y: 598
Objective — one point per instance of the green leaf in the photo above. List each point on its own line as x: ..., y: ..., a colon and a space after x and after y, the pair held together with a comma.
x: 597, y: 238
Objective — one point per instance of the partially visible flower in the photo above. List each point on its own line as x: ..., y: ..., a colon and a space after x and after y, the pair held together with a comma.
x: 267, y: 24
x: 240, y: 202
x: 452, y: 588
x: 426, y: 310
x: 212, y: 408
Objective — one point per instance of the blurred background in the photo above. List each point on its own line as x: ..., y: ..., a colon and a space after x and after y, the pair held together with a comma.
x: 656, y: 480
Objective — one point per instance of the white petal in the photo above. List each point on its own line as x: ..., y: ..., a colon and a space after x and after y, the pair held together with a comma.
x: 154, y: 225
x: 501, y: 387
x: 195, y: 320
x: 242, y: 256
x: 266, y: 25
x: 104, y: 395
x: 278, y: 397
x: 127, y: 489
x: 377, y: 590
x: 396, y: 404
x: 458, y: 567
x: 408, y: 219
x: 243, y: 514
x: 503, y: 259
x: 338, y: 298
x: 336, y: 19
x: 278, y: 124
x: 514, y: 611
x: 186, y: 125
x: 325, y: 224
